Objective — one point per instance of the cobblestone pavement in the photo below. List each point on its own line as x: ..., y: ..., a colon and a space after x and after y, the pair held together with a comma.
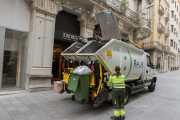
x: 162, y: 104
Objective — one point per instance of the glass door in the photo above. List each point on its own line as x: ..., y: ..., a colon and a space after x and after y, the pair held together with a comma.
x: 10, y: 69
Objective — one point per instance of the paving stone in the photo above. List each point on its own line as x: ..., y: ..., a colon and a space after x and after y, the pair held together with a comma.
x: 12, y: 108
x: 33, y: 117
x: 162, y: 104
x: 14, y: 112
x: 22, y: 109
x: 6, y: 117
x: 19, y: 117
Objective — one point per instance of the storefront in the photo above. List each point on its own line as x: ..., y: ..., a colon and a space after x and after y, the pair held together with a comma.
x: 14, y: 32
x: 67, y: 30
x: 13, y: 60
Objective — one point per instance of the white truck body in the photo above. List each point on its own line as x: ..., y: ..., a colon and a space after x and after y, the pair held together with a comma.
x: 132, y: 60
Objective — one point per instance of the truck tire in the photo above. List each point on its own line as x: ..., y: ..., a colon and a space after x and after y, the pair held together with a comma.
x: 127, y: 95
x: 72, y: 98
x: 82, y: 101
x: 151, y: 88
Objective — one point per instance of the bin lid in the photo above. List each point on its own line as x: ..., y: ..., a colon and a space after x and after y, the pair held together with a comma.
x: 108, y: 25
x: 81, y: 74
x: 73, y: 82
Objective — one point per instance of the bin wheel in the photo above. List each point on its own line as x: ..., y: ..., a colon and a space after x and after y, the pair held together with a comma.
x: 82, y: 101
x: 72, y: 98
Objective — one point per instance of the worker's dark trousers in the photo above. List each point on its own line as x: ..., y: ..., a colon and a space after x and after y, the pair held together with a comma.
x: 118, y: 95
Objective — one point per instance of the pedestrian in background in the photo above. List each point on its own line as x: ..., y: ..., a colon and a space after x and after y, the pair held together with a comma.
x: 118, y: 94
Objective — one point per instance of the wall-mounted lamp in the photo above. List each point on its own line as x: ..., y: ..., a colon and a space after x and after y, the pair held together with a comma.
x: 85, y: 12
x: 65, y: 2
x: 77, y: 8
x: 149, y: 6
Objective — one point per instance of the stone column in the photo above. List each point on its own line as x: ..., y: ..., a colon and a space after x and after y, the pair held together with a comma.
x: 2, y: 37
x: 91, y: 21
x: 40, y: 46
x: 83, y: 21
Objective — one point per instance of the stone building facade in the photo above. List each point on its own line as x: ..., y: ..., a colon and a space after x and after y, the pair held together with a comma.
x: 55, y: 24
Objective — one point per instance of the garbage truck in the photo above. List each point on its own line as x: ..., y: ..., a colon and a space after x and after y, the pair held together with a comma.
x: 101, y: 57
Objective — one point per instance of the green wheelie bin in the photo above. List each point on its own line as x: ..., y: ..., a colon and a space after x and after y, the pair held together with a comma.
x: 79, y: 83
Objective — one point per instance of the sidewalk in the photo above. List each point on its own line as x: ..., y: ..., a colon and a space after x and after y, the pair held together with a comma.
x: 162, y: 104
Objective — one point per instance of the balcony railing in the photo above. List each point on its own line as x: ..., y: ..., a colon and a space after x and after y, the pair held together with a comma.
x: 151, y: 46
x: 167, y: 16
x: 161, y: 10
x: 122, y: 9
x: 161, y: 28
x: 148, y: 23
x: 167, y: 32
x: 167, y: 49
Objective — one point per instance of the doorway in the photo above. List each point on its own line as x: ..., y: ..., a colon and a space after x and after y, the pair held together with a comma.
x: 10, y: 69
x: 57, y: 62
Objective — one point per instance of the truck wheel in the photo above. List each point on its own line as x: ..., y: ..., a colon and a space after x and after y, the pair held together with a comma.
x: 151, y: 88
x: 82, y: 101
x: 72, y: 98
x: 127, y: 95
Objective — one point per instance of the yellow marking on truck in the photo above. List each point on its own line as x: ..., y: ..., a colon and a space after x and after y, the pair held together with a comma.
x: 84, y: 55
x: 100, y: 81
x: 104, y: 64
x: 150, y: 74
x: 103, y: 56
x: 134, y: 44
x: 109, y: 53
x: 67, y: 55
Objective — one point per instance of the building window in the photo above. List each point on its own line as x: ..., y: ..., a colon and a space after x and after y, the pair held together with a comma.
x: 171, y: 43
x: 174, y: 31
x: 172, y: 14
x: 175, y: 18
x: 177, y: 8
x: 159, y: 39
x: 172, y: 28
x: 172, y: 1
x: 174, y: 45
x: 175, y: 4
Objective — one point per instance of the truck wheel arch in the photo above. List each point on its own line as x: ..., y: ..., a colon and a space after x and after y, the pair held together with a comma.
x: 128, y: 89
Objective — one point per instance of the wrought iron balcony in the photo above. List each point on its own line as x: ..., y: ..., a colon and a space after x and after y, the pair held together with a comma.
x: 161, y: 28
x: 167, y: 32
x: 148, y: 23
x: 167, y: 49
x: 167, y: 16
x: 121, y: 9
x: 155, y: 45
x: 161, y: 10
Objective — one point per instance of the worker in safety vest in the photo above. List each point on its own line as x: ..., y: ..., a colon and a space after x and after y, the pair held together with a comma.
x: 118, y: 94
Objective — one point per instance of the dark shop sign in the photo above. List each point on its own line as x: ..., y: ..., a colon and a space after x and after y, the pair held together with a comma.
x: 60, y: 35
x: 68, y: 36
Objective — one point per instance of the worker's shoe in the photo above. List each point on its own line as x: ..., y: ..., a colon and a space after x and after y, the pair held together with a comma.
x: 114, y: 118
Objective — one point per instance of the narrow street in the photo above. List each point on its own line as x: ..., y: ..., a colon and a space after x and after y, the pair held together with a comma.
x: 162, y: 104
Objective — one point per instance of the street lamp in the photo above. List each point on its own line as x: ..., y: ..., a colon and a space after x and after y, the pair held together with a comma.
x: 149, y: 6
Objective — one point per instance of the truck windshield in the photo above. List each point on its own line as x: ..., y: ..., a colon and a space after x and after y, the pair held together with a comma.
x: 148, y: 61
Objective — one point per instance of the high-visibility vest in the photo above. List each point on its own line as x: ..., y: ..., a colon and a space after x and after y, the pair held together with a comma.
x: 117, y: 82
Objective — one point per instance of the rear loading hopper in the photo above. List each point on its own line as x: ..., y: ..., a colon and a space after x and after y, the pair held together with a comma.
x: 115, y: 52
x: 69, y: 53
